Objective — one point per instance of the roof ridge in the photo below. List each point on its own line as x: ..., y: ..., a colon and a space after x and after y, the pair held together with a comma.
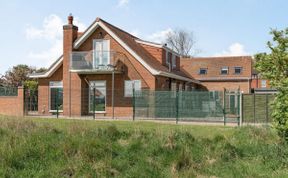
x: 135, y: 37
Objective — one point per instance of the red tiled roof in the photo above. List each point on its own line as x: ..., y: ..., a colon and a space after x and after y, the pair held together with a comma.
x: 130, y: 40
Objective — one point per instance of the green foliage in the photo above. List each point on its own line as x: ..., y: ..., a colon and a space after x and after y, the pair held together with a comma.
x: 274, y: 67
x: 31, y: 84
x: 19, y: 75
x: 68, y: 148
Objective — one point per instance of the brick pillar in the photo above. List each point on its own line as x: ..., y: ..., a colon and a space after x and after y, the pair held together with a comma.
x: 71, y: 81
x: 21, y: 101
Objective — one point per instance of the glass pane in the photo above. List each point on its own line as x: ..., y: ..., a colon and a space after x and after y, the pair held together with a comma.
x: 128, y: 88
x: 56, y: 98
x: 97, y: 103
x: 102, y: 54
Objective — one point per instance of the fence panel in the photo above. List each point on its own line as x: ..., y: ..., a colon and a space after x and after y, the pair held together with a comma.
x: 8, y: 91
x: 256, y: 108
x: 182, y: 106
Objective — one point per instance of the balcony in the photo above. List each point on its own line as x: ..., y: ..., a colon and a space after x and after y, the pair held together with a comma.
x: 97, y: 61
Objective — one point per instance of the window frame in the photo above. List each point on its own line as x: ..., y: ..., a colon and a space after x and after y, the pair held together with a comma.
x: 265, y: 81
x: 167, y: 57
x: 140, y: 87
x: 226, y: 68
x: 90, y: 89
x: 206, y: 71
x: 173, y: 61
x: 238, y: 67
x: 51, y: 87
x: 94, y: 51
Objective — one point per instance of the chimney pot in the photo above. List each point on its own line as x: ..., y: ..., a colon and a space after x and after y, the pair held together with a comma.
x: 70, y: 19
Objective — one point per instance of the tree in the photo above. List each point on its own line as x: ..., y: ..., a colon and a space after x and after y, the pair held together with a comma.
x: 182, y: 42
x: 17, y: 75
x: 274, y: 67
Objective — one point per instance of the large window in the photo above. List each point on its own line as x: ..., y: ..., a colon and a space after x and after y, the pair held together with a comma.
x: 56, y: 96
x: 101, y: 53
x: 97, y: 96
x: 129, y: 84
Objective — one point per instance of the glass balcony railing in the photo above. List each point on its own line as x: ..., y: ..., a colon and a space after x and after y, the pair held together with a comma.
x: 97, y: 61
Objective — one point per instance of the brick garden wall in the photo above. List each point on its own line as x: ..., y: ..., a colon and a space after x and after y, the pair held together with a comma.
x: 13, y: 105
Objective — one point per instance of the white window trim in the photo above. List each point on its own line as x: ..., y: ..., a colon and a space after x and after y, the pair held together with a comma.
x: 108, y: 50
x: 173, y: 60
x: 224, y: 68
x: 167, y: 57
x: 89, y: 109
x: 129, y: 96
x: 265, y: 81
x: 60, y: 111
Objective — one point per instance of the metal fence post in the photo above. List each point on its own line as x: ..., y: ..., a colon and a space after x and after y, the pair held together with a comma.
x: 224, y: 106
x: 267, y: 119
x: 57, y: 104
x: 238, y: 106
x: 133, y: 101
x: 177, y: 107
x: 241, y: 109
x: 94, y: 102
x: 254, y: 108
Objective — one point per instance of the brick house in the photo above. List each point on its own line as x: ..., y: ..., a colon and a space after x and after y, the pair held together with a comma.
x: 217, y: 73
x: 97, y: 59
x: 260, y: 84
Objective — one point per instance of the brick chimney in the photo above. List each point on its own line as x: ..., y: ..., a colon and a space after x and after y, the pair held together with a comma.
x: 69, y: 36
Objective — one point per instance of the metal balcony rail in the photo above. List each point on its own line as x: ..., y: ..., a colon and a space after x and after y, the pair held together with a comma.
x: 91, y: 61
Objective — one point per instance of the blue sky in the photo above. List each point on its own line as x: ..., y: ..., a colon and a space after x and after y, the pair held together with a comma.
x: 31, y: 31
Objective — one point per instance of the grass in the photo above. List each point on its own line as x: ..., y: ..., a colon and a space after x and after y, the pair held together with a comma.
x: 73, y: 148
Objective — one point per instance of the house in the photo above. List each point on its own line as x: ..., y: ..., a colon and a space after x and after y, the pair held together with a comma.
x: 102, y: 65
x: 260, y: 85
x: 217, y: 73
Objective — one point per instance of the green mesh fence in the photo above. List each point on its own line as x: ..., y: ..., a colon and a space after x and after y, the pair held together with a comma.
x: 8, y: 91
x: 183, y: 105
x: 257, y: 108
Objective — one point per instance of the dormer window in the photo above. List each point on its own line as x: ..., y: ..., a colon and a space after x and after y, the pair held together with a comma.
x: 237, y: 70
x: 173, y: 61
x: 224, y: 70
x: 203, y: 71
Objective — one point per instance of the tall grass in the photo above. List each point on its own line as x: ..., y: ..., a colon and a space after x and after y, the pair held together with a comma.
x: 57, y: 148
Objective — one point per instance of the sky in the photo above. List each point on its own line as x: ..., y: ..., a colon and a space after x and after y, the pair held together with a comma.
x: 31, y: 31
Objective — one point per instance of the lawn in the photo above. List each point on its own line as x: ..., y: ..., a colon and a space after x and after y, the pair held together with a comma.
x: 74, y: 148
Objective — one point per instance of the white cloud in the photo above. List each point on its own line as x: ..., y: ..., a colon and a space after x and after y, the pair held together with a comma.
x: 123, y: 3
x: 235, y: 49
x: 51, y: 33
x: 160, y: 36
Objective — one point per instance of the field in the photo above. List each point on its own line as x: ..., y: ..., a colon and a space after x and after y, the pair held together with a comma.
x: 74, y: 148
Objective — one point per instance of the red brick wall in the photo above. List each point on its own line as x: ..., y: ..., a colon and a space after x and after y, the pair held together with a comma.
x: 43, y: 91
x: 229, y: 85
x: 191, y: 66
x: 13, y: 105
x: 214, y: 80
x: 156, y: 52
x: 135, y: 70
x: 257, y: 83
